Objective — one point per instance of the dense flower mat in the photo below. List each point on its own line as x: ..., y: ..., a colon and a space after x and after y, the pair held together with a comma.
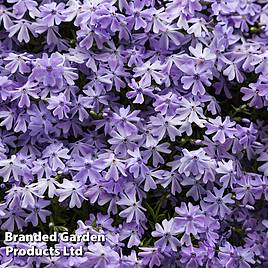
x: 142, y: 120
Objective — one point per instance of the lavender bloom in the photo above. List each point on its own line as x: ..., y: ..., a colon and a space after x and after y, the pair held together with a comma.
x: 223, y: 129
x: 244, y: 190
x: 197, y: 77
x: 95, y: 99
x: 260, y: 187
x: 87, y: 168
x: 165, y: 125
x: 195, y: 162
x: 201, y: 55
x: 197, y: 190
x: 52, y: 13
x: 139, y: 89
x: 51, y: 71
x: 151, y: 256
x: 17, y: 62
x: 73, y: 190
x: 122, y: 142
x: 210, y: 230
x: 149, y: 71
x: 149, y: 179
x: 28, y: 195
x: 101, y: 256
x: 55, y: 153
x: 136, y: 164
x: 138, y: 18
x: 235, y: 256
x: 8, y: 116
x: 116, y: 167
x: 21, y: 27
x: 132, y: 232
x: 167, y: 234
x: 38, y: 212
x: 217, y: 202
x: 5, y: 17
x: 227, y: 168
x: 190, y: 220
x: 124, y: 120
x: 254, y: 93
x: 264, y: 168
x: 193, y: 257
x: 166, y: 104
x: 59, y: 105
x: 155, y: 152
x: 24, y: 93
x: 14, y: 218
x: 10, y: 168
x: 48, y: 184
x: 192, y: 112
x: 134, y: 210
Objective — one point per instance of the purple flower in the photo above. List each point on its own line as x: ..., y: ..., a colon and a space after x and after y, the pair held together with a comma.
x: 51, y: 71
x: 136, y: 165
x: 22, y: 27
x: 55, y: 153
x: 264, y: 168
x: 195, y: 162
x: 95, y: 99
x: 11, y: 166
x: 59, y: 105
x: 162, y: 126
x: 17, y: 62
x: 149, y: 179
x: 190, y: 220
x: 139, y: 89
x: 192, y: 112
x: 230, y: 256
x: 193, y: 257
x: 116, y: 167
x: 49, y: 184
x: 121, y: 142
x: 138, y: 18
x: 166, y: 104
x: 244, y: 190
x: 167, y: 234
x: 101, y: 256
x: 122, y: 113
x: 124, y: 121
x: 39, y: 212
x: 24, y: 93
x: 210, y: 230
x: 149, y: 71
x: 14, y: 219
x: 255, y: 94
x: 227, y: 168
x: 196, y: 78
x: 218, y: 202
x: 134, y: 210
x: 201, y: 55
x: 132, y: 232
x: 197, y: 189
x: 28, y: 195
x: 223, y: 129
x: 5, y: 17
x: 52, y: 14
x: 151, y: 256
x: 88, y: 169
x: 155, y: 152
x: 73, y: 190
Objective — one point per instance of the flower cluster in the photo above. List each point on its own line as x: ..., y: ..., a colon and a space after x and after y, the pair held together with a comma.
x: 143, y: 120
